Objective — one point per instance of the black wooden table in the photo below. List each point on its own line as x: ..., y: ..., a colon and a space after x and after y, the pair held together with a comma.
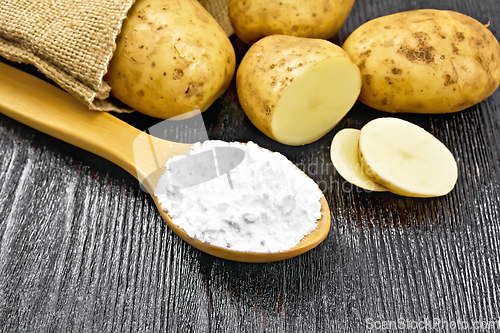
x: 83, y: 249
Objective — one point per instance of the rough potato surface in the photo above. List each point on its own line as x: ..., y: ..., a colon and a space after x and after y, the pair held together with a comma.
x: 425, y: 61
x: 254, y: 19
x: 171, y: 58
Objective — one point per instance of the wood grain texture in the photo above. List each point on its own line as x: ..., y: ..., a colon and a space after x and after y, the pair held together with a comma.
x: 83, y: 249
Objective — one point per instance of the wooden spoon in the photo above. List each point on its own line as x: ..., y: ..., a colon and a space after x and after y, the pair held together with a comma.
x: 49, y: 109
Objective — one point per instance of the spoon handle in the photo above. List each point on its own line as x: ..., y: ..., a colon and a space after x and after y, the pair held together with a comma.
x: 49, y: 109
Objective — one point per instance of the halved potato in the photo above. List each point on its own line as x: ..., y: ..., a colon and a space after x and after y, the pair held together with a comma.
x: 295, y: 90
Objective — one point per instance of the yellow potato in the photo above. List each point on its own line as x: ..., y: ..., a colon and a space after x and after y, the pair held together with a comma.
x: 254, y: 19
x: 294, y: 89
x: 425, y: 61
x: 172, y: 57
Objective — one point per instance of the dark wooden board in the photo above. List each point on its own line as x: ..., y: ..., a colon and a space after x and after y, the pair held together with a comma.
x: 83, y: 249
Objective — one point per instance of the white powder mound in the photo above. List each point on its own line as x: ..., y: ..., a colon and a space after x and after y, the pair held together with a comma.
x: 269, y: 208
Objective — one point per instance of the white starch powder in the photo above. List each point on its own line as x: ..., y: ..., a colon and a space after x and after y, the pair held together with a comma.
x: 266, y: 204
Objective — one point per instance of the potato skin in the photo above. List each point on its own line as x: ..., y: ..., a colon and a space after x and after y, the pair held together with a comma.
x: 172, y: 57
x: 254, y: 19
x: 270, y: 66
x: 425, y: 61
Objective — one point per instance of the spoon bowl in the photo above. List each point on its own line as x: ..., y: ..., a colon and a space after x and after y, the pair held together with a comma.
x: 49, y: 109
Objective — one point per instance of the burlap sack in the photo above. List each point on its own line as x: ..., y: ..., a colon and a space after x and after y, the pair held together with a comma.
x: 72, y: 41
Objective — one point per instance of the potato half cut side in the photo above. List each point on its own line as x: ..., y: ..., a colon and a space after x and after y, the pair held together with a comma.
x: 406, y: 159
x: 344, y: 155
x: 316, y: 101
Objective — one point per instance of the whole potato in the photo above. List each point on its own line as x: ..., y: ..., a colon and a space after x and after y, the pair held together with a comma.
x: 294, y: 89
x: 425, y: 61
x: 172, y: 57
x: 254, y: 19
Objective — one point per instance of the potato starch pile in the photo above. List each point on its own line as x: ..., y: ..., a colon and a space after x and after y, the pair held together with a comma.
x: 266, y: 204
